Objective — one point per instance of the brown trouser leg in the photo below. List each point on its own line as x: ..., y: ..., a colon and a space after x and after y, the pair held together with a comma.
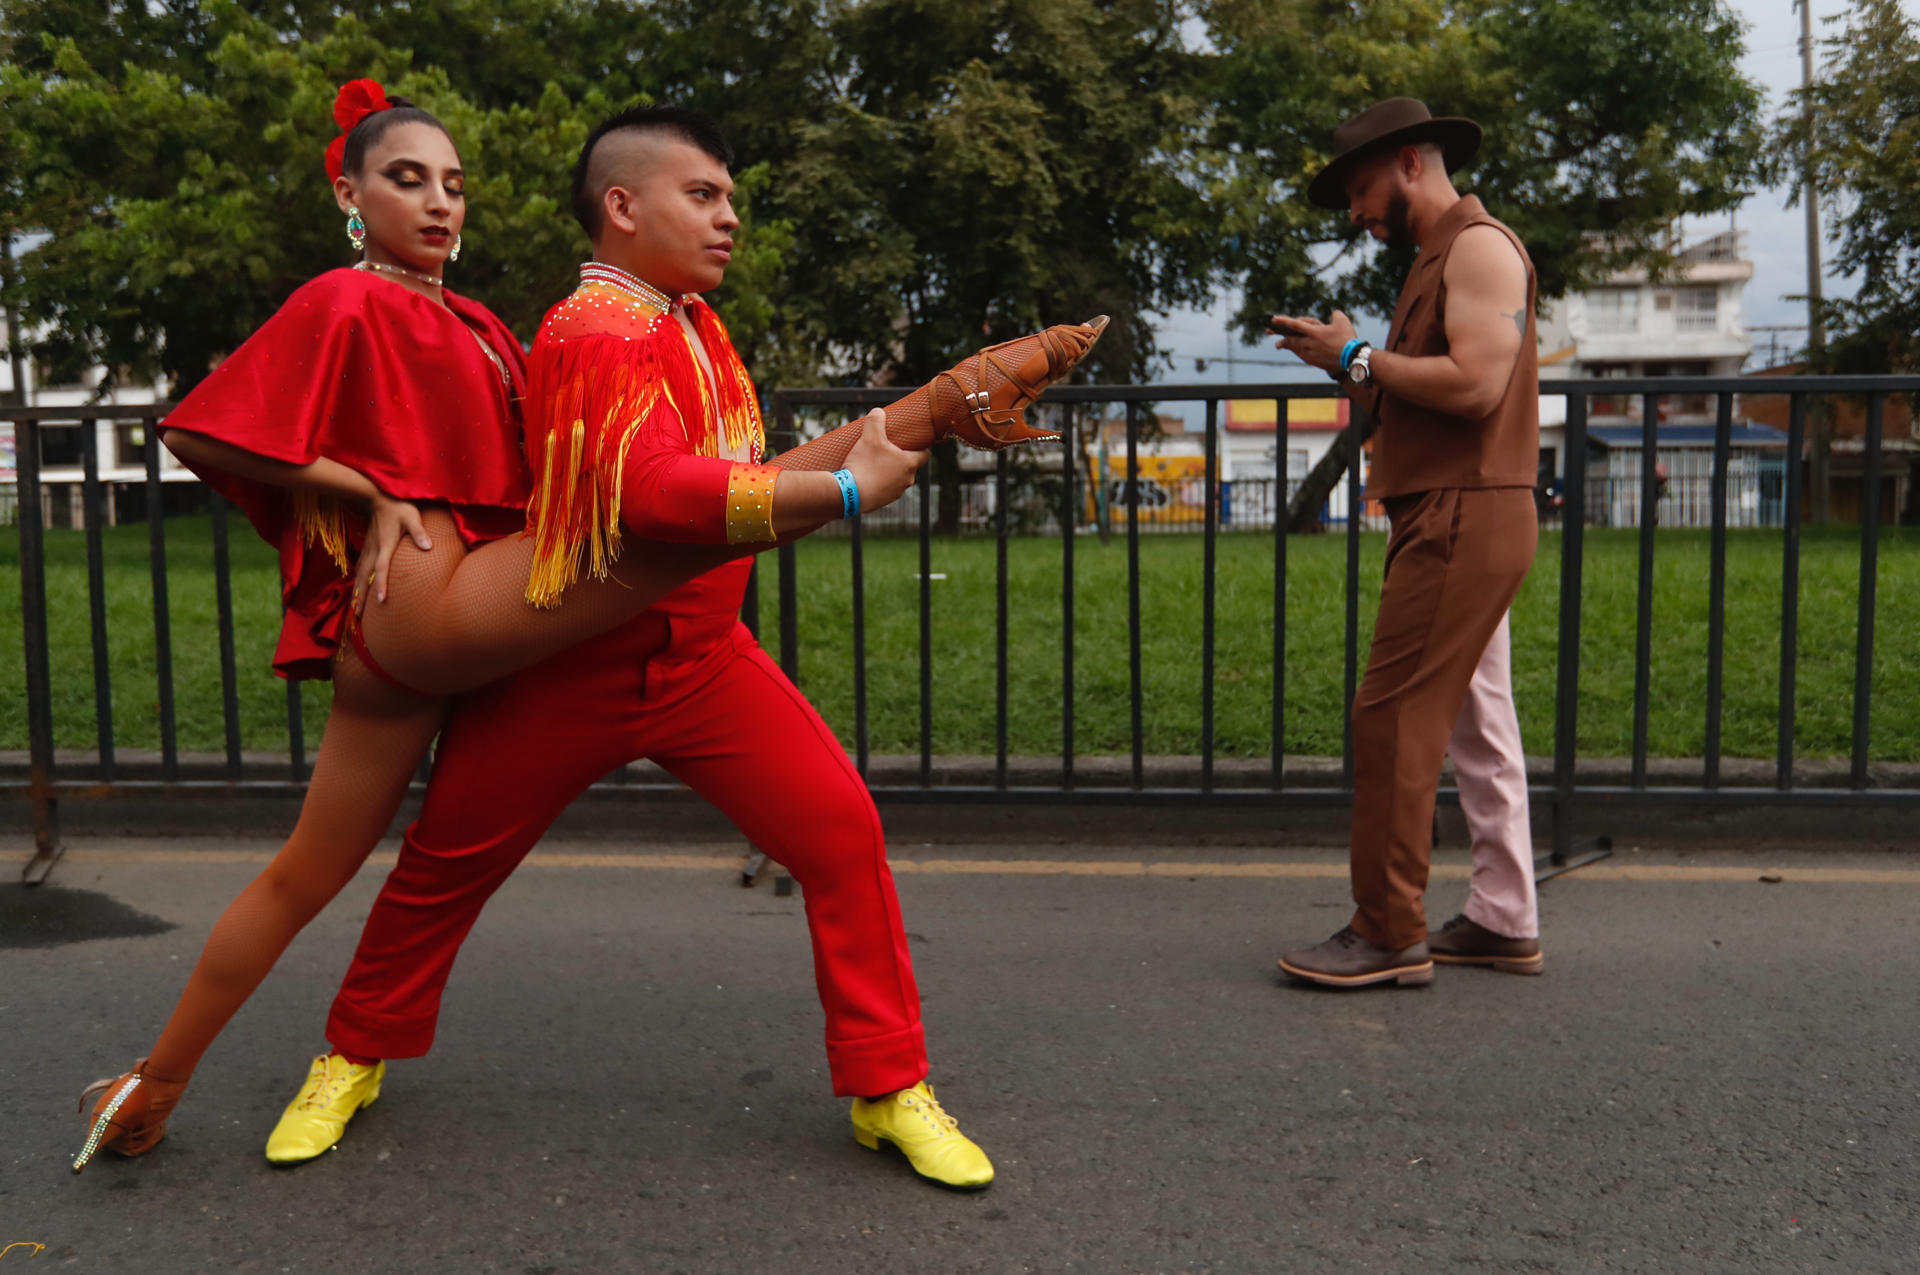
x: 1454, y: 562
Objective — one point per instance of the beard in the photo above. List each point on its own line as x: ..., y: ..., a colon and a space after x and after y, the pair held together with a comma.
x: 1397, y: 222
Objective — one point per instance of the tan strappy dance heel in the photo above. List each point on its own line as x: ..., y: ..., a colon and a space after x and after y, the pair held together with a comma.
x: 981, y: 400
x: 130, y: 1116
x: 996, y: 386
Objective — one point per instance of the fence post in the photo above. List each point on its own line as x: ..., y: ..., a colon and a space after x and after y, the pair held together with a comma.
x: 1002, y: 605
x: 1790, y: 593
x: 1068, y: 521
x: 1278, y: 502
x: 1717, y: 589
x: 924, y: 482
x: 1566, y: 713
x: 162, y: 617
x: 95, y: 516
x: 223, y: 602
x: 33, y: 625
x: 1643, y: 623
x: 1869, y: 576
x: 1210, y: 532
x: 785, y: 437
x: 1136, y: 717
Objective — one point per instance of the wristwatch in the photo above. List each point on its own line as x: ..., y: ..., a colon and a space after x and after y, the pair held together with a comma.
x: 1358, y: 368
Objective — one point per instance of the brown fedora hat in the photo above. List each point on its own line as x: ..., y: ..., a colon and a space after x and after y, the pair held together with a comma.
x: 1396, y: 122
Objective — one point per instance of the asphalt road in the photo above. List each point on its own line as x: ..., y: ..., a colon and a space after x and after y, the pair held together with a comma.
x: 1715, y: 1074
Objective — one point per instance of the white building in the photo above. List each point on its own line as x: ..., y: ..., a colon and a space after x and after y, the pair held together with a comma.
x: 1254, y: 456
x: 1688, y: 323
x: 118, y: 442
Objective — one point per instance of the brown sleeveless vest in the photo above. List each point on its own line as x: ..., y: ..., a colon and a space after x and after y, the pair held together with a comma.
x: 1420, y: 449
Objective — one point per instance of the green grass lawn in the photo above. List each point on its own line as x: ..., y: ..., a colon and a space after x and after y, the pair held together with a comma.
x: 963, y: 649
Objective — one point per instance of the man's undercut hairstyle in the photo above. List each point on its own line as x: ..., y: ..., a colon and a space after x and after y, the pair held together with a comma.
x: 672, y: 122
x: 368, y: 132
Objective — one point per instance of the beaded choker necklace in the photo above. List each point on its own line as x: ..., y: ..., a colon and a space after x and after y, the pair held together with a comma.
x: 402, y: 271
x: 614, y: 276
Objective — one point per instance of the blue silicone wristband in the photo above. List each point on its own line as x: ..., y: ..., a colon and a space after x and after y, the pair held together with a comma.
x: 849, y: 493
x: 1347, y: 352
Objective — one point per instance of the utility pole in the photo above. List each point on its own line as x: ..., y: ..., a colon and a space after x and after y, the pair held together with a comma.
x: 1820, y: 418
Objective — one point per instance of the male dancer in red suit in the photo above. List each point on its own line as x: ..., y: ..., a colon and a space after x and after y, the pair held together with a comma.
x: 640, y: 414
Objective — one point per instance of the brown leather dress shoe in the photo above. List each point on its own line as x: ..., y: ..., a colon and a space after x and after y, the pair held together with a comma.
x: 1347, y: 960
x: 1464, y: 942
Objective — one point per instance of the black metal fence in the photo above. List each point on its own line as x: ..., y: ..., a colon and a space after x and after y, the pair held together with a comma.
x: 1244, y: 504
x: 45, y: 786
x: 1754, y: 489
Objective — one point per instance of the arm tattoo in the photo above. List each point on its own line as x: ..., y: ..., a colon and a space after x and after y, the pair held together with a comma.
x: 1519, y: 318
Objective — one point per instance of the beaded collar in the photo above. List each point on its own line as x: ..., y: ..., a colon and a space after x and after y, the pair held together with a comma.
x: 614, y: 276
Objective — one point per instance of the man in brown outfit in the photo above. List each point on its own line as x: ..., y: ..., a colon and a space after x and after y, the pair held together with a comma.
x: 1456, y: 395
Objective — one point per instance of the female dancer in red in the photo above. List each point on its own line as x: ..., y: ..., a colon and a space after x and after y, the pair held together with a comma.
x: 375, y: 388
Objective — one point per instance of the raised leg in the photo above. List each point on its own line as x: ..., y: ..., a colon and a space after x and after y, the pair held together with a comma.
x: 453, y: 621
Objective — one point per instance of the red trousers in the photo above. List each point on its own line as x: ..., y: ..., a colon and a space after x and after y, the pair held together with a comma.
x: 722, y: 718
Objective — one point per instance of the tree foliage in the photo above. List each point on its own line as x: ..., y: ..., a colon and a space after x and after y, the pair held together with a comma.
x: 171, y: 155
x: 1604, y: 121
x: 985, y: 168
x: 919, y: 176
x: 1865, y: 162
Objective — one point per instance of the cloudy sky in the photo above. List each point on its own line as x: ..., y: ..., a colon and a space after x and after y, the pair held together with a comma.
x: 1776, y: 233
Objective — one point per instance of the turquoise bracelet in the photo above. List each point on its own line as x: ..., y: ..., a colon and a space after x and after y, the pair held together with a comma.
x: 849, y: 493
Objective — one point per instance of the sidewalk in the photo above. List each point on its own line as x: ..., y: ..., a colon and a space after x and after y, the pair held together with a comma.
x: 1714, y: 1074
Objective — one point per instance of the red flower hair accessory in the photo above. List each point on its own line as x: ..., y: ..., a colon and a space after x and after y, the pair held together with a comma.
x: 356, y: 100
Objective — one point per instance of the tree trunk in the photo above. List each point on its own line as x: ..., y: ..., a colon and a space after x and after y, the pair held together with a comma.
x: 1820, y: 462
x: 1303, y: 511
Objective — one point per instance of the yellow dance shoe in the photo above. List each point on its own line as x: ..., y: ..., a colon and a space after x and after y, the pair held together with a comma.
x: 315, y: 1121
x: 914, y: 1122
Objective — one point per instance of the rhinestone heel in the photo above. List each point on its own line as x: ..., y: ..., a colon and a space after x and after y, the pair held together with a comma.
x: 130, y: 1116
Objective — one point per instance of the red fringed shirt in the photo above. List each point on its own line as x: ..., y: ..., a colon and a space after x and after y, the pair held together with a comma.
x: 372, y: 375
x: 626, y: 429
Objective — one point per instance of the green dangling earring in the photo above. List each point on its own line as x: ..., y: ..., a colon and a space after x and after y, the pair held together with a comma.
x: 455, y: 254
x: 356, y: 229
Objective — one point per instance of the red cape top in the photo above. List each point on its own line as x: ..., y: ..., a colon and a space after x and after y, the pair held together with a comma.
x: 368, y: 373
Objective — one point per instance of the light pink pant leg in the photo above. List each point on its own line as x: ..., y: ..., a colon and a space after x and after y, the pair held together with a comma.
x: 1491, y: 770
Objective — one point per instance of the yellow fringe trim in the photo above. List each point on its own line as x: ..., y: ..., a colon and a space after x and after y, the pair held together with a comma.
x: 556, y: 555
x: 574, y: 517
x: 323, y: 521
x: 618, y: 486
